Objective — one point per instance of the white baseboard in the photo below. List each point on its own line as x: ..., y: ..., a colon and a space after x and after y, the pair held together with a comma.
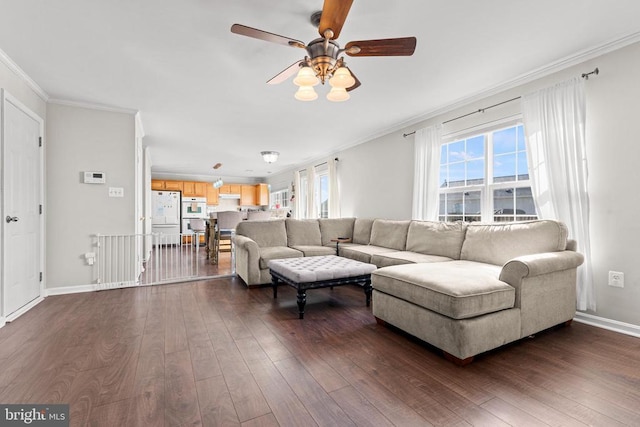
x: 22, y: 310
x: 63, y: 290
x: 611, y: 325
x: 3, y: 322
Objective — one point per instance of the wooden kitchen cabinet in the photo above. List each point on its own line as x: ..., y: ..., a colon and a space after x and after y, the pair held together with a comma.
x: 157, y: 184
x: 247, y: 195
x: 230, y: 189
x: 173, y: 185
x: 194, y: 189
x: 262, y: 194
x: 213, y: 196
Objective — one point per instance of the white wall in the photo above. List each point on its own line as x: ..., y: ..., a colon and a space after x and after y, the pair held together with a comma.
x: 78, y: 140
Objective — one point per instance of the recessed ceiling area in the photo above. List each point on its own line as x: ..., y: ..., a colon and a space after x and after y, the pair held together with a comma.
x: 201, y: 90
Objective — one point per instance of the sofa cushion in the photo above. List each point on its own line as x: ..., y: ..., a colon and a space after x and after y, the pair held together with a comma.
x: 276, y: 252
x: 389, y: 234
x: 456, y: 289
x: 264, y: 233
x: 332, y: 228
x: 361, y: 252
x: 436, y: 238
x: 404, y: 257
x: 499, y: 243
x: 315, y: 250
x: 362, y: 231
x: 303, y: 232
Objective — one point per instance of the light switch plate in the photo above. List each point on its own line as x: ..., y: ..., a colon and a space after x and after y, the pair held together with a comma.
x: 116, y: 192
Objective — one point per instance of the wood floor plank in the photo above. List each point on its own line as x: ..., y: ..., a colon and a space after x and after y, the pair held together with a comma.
x: 245, y: 393
x: 324, y: 410
x: 267, y: 420
x: 511, y: 414
x: 175, y: 338
x: 147, y: 406
x: 203, y: 357
x: 216, y: 405
x: 359, y: 410
x: 181, y: 399
x: 111, y: 414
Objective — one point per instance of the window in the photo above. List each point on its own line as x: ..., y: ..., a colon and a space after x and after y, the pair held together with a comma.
x: 485, y: 178
x: 279, y: 199
x: 321, y: 198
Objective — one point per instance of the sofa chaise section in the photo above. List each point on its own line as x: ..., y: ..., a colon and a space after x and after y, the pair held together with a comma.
x: 512, y: 280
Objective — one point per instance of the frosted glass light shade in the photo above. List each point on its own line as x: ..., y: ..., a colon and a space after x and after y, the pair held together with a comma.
x: 306, y: 93
x: 338, y: 94
x: 306, y: 77
x: 342, y: 78
x: 269, y: 156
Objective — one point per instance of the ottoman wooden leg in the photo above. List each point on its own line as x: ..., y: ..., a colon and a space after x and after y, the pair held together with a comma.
x: 274, y: 283
x: 302, y: 300
x: 367, y: 291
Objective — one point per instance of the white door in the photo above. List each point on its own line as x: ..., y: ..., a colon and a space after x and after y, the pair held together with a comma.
x: 21, y: 221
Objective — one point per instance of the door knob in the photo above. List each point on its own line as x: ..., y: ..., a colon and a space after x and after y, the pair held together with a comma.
x: 12, y: 218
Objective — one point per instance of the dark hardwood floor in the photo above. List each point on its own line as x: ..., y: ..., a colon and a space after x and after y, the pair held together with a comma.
x: 214, y: 353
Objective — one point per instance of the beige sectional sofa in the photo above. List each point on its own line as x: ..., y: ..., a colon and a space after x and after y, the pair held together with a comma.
x: 464, y: 288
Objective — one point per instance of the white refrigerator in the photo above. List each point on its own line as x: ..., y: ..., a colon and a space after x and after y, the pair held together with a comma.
x: 165, y: 217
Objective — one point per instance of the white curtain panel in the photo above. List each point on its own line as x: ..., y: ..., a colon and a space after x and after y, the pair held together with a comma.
x: 427, y: 143
x: 334, y: 190
x: 554, y: 122
x: 296, y: 195
x: 312, y: 212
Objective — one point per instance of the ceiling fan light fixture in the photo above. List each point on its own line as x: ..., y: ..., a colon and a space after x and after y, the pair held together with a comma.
x: 306, y: 93
x: 338, y: 94
x: 342, y: 78
x: 306, y: 77
x: 269, y: 156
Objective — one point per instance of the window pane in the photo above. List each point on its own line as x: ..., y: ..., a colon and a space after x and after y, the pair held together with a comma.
x: 454, y: 206
x: 475, y: 172
x: 524, y: 203
x: 504, y: 141
x: 513, y: 204
x: 456, y: 151
x: 443, y: 154
x: 442, y: 209
x: 521, y: 145
x: 444, y: 170
x: 504, y: 168
x: 523, y: 167
x: 472, y: 209
x: 456, y: 175
x: 475, y: 147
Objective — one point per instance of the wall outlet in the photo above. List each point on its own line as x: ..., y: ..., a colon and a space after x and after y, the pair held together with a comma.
x: 616, y: 279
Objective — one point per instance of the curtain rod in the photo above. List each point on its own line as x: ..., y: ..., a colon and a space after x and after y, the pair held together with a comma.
x: 482, y: 110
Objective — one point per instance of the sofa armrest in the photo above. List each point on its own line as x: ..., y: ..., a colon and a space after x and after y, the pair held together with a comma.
x: 538, y: 264
x: 247, y: 259
x: 247, y: 244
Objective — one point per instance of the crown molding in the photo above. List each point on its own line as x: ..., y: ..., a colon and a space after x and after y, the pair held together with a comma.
x: 6, y: 60
x: 90, y: 106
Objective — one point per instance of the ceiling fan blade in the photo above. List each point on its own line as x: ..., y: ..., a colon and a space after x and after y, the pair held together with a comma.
x: 285, y: 74
x: 356, y: 85
x: 404, y: 46
x: 243, y: 30
x: 334, y: 13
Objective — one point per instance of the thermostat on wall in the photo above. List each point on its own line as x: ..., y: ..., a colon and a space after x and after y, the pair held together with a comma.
x: 94, y: 178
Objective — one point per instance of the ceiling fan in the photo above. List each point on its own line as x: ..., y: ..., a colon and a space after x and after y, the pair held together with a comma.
x: 324, y: 62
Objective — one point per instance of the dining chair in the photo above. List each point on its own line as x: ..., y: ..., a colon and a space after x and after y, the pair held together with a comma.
x: 226, y: 223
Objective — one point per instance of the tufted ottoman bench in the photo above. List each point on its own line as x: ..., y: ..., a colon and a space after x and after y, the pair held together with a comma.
x: 316, y: 272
